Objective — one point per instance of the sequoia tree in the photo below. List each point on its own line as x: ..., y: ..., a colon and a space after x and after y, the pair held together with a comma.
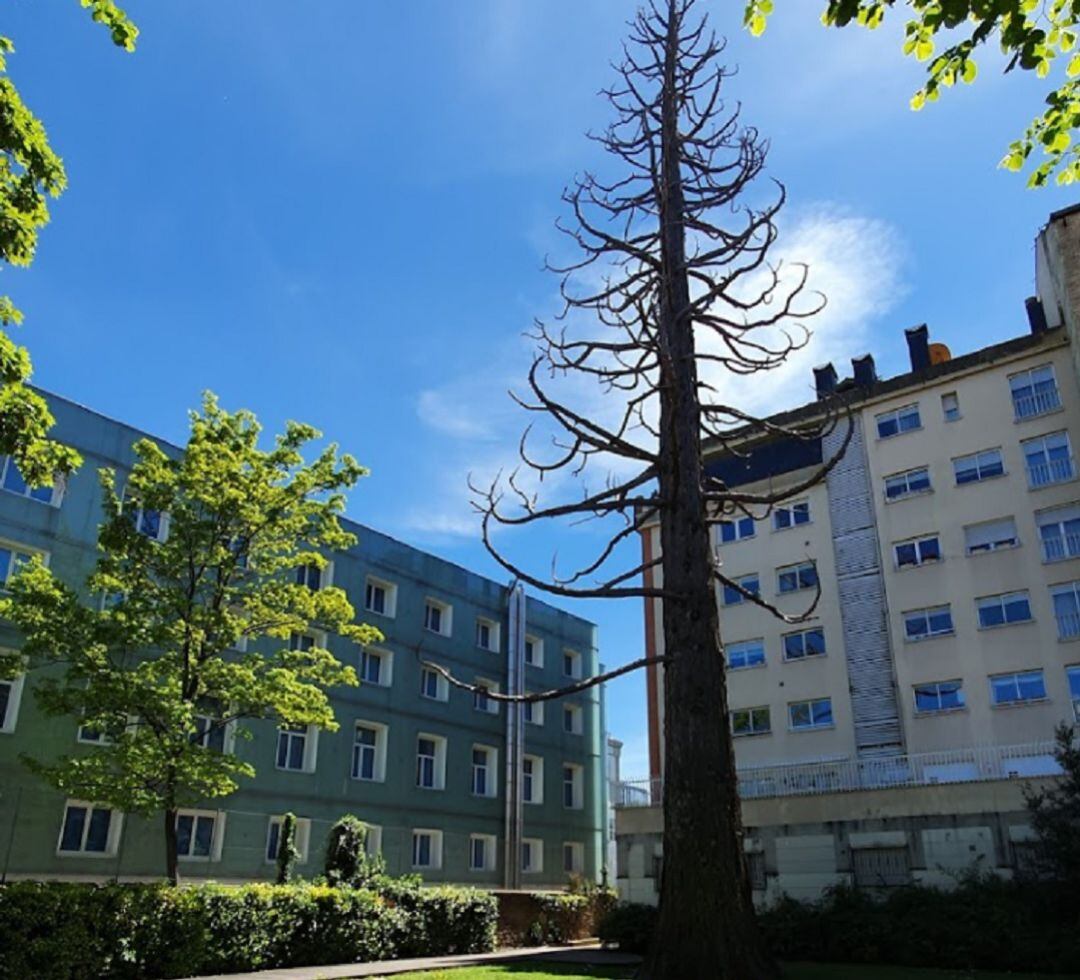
x: 673, y: 286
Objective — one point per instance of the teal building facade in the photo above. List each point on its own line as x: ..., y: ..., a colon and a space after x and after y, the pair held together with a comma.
x: 455, y: 787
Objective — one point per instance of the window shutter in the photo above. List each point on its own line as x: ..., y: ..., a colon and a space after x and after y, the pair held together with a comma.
x: 983, y: 535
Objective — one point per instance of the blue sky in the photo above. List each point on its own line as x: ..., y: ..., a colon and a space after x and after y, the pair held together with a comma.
x: 337, y: 212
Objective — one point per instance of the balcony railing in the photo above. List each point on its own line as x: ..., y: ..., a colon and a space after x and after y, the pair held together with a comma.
x: 1061, y: 546
x: 970, y: 765
x: 1068, y: 625
x: 1052, y: 471
x: 1036, y: 403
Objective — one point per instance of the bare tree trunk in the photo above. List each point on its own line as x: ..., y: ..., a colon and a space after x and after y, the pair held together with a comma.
x: 172, y: 868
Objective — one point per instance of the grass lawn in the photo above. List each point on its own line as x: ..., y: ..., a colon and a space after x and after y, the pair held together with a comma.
x: 794, y: 971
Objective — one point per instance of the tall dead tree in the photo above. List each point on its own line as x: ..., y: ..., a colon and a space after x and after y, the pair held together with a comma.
x: 679, y: 242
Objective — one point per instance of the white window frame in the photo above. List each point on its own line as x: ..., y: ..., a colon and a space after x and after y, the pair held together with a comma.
x: 980, y: 460
x: 491, y: 772
x: 576, y: 851
x: 446, y: 617
x: 1057, y: 518
x: 917, y: 542
x: 747, y: 582
x: 127, y: 499
x: 538, y: 651
x: 798, y: 569
x: 534, y: 848
x: 536, y: 780
x: 577, y: 664
x: 302, y: 839
x: 389, y: 590
x: 739, y: 525
x: 1016, y: 675
x: 494, y: 638
x: 536, y: 710
x: 228, y: 731
x: 1051, y: 480
x: 489, y: 705
x: 56, y: 488
x: 1002, y: 543
x: 1071, y: 629
x: 490, y: 845
x: 10, y: 717
x: 803, y: 633
x: 378, y: 762
x: 936, y: 685
x: 576, y: 713
x: 438, y: 765
x: 751, y: 713
x: 897, y: 415
x: 326, y: 575
x: 950, y: 414
x: 741, y: 647
x: 442, y: 685
x: 435, y: 849
x: 792, y: 508
x: 112, y: 844
x: 386, y: 666
x: 1000, y: 601
x: 813, y: 726
x: 576, y: 785
x: 924, y: 613
x: 1073, y: 671
x: 311, y: 748
x: 217, y: 839
x: 1052, y: 404
x: 18, y: 550
x: 373, y: 840
x: 906, y: 475
x: 318, y: 639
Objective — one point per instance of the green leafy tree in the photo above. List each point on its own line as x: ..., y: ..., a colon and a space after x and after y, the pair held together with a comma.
x: 30, y: 173
x: 1055, y: 813
x: 288, y: 853
x: 347, y: 860
x: 200, y: 555
x: 1039, y: 36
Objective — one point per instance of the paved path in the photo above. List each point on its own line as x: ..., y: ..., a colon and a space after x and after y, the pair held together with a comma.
x: 346, y: 971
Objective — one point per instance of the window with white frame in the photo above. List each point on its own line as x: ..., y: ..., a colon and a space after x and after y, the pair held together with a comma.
x: 532, y: 779
x: 369, y: 752
x: 430, y: 762
x: 990, y: 536
x: 301, y: 839
x: 918, y: 551
x: 487, y: 634
x: 315, y: 577
x: 153, y: 524
x: 736, y: 530
x: 1066, y: 600
x: 922, y: 624
x: 572, y: 664
x: 373, y: 840
x: 573, y: 719
x: 1003, y: 610
x: 482, y: 852
x: 12, y: 481
x: 211, y: 728
x: 950, y: 407
x: 573, y: 786
x: 306, y: 641
x: 380, y: 597
x: 1059, y: 532
x: 573, y: 862
x: 1034, y: 392
x: 484, y: 771
x: 296, y: 747
x: 794, y: 578
x: 532, y: 855
x: 89, y: 830
x: 198, y: 834
x: 815, y: 713
x: 907, y: 484
x: 10, y: 698
x: 751, y: 721
x: 433, y: 685
x: 897, y: 421
x: 938, y: 696
x: 804, y: 643
x: 534, y: 652
x: 1072, y: 675
x: 437, y: 617
x: 92, y: 735
x: 13, y: 557
x: 977, y: 467
x: 791, y: 515
x: 732, y: 596
x: 533, y: 711
x: 1048, y: 459
x: 1022, y: 687
x: 375, y: 667
x: 745, y: 653
x: 427, y: 849
x: 481, y: 699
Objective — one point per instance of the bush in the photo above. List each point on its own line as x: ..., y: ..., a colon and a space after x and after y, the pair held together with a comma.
x: 347, y: 861
x: 83, y: 932
x: 628, y: 926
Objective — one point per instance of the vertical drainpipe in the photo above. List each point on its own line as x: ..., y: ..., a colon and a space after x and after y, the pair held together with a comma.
x: 602, y: 871
x: 515, y: 733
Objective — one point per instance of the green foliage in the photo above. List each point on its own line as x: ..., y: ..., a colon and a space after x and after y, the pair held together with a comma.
x: 347, y: 861
x: 288, y: 853
x: 1055, y: 814
x: 946, y: 34
x: 628, y: 925
x: 152, y: 660
x: 559, y: 918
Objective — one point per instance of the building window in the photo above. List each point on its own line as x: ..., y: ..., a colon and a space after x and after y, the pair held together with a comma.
x: 427, y: 849
x: 733, y: 597
x: 487, y: 635
x: 301, y: 839
x: 433, y: 685
x: 198, y: 834
x: 1059, y: 532
x: 532, y: 855
x: 534, y: 652
x: 12, y: 481
x: 1003, y: 610
x: 296, y: 748
x: 1020, y: 688
x: 307, y: 641
x: 791, y: 515
x: 907, y: 484
x: 482, y: 852
x: 571, y: 664
x: 920, y: 551
x: 375, y: 667
x: 210, y: 728
x: 1048, y: 459
x: 12, y: 559
x: 922, y: 624
x: 881, y: 867
x: 89, y: 830
x: 794, y: 578
x: 939, y: 696
x: 484, y: 782
x: 532, y: 779
x: 380, y: 597
x: 315, y: 577
x: 737, y: 530
x: 534, y: 712
x: 899, y: 420
x: 573, y: 787
x: 437, y: 616
x: 153, y: 524
x: 1066, y: 599
x: 10, y: 696
x: 804, y: 715
x: 573, y: 719
x: 369, y: 752
x: 481, y: 701
x: 573, y: 861
x: 805, y: 643
x: 755, y: 864
x: 751, y: 721
x: 1072, y: 674
x: 950, y: 407
x: 748, y: 653
x: 978, y: 466
x: 990, y: 536
x: 1034, y: 392
x: 373, y: 841
x: 430, y: 762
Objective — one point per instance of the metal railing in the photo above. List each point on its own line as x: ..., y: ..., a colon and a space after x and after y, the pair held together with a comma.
x: 1036, y: 403
x: 1052, y: 471
x: 1061, y: 546
x: 1068, y: 625
x: 970, y: 765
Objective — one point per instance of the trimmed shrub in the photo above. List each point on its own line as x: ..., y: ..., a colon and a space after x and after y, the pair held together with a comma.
x: 347, y: 861
x: 629, y: 926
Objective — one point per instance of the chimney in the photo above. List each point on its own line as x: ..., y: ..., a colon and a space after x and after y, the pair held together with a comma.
x: 863, y: 368
x: 825, y: 380
x: 918, y: 346
x: 1036, y: 315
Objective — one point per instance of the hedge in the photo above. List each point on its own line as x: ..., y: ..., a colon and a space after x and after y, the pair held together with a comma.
x: 983, y: 924
x: 64, y: 931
